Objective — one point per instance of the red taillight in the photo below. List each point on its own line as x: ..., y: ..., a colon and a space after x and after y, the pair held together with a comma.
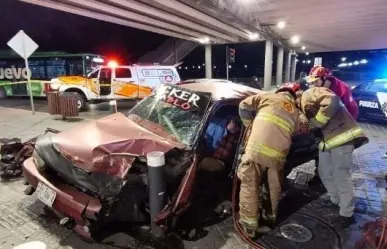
x: 47, y: 87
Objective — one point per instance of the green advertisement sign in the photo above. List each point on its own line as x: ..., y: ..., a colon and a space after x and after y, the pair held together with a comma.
x: 36, y: 88
x: 22, y: 89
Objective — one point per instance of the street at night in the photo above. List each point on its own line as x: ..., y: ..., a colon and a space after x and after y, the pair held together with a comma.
x: 190, y: 124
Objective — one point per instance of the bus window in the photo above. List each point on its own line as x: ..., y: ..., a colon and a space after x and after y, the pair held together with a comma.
x: 38, y: 69
x: 3, y: 64
x: 75, y: 67
x: 55, y: 68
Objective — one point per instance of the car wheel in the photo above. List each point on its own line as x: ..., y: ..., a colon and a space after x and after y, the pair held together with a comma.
x: 81, y: 102
x: 3, y: 93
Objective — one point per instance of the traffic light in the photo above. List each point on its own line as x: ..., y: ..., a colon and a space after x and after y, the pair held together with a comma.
x: 232, y: 55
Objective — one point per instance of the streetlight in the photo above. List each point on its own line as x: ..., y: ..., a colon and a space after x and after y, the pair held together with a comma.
x: 245, y: 66
x: 303, y: 61
x: 307, y: 53
x: 309, y: 61
x: 281, y: 24
x: 229, y: 66
x: 198, y: 67
x: 343, y: 58
x: 363, y: 61
x: 295, y: 39
x: 355, y: 63
x: 253, y: 36
x: 303, y: 47
x: 204, y: 40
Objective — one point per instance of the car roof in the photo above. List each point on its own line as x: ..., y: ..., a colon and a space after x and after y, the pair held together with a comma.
x: 206, y: 80
x: 222, y: 91
x: 380, y: 80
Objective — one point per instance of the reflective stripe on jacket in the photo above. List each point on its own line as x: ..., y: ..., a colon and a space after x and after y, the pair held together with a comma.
x: 274, y: 119
x: 325, y: 110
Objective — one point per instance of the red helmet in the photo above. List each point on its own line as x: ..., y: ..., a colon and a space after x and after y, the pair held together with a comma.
x: 293, y: 88
x: 317, y: 72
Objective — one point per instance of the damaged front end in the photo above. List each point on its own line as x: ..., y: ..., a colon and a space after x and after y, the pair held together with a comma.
x: 108, y: 182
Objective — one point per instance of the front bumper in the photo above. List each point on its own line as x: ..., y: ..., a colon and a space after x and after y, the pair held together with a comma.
x: 69, y: 202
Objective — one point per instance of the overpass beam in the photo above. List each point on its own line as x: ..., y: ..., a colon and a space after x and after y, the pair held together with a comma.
x: 280, y: 64
x: 268, y: 75
x: 287, y: 66
x: 208, y: 60
x: 294, y: 67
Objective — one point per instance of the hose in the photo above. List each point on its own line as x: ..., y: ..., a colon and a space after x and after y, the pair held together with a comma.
x: 375, y: 235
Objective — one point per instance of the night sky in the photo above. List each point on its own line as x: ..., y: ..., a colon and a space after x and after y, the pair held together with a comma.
x: 59, y: 31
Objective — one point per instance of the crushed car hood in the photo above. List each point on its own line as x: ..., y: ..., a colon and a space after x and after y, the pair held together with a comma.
x: 88, y: 146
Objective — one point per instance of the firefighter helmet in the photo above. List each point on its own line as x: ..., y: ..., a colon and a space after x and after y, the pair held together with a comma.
x: 292, y: 88
x: 316, y: 73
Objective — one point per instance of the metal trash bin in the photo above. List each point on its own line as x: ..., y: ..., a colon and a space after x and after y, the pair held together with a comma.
x: 69, y: 105
x: 53, y: 103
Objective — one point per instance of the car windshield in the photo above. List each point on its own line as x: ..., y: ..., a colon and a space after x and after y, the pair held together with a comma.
x: 174, y: 111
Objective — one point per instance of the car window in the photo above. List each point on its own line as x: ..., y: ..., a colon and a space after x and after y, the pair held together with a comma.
x: 123, y: 73
x: 377, y: 87
x: 105, y: 72
x: 94, y: 74
x: 172, y: 110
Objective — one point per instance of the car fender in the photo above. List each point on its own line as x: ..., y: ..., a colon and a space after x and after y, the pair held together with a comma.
x: 84, y: 90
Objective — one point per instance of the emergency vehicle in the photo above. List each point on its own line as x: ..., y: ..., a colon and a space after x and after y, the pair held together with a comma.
x: 371, y: 98
x: 115, y: 81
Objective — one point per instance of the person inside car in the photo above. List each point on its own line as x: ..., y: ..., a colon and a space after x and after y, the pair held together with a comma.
x: 221, y: 138
x: 321, y: 77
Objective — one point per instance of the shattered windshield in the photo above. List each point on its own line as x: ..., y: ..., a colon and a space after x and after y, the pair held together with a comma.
x: 174, y: 111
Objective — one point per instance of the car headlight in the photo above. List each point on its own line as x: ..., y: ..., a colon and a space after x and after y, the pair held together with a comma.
x: 39, y: 162
x: 55, y: 86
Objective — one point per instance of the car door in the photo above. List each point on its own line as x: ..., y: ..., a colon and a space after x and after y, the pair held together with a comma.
x: 366, y: 97
x: 93, y: 82
x: 125, y: 83
x: 105, y: 81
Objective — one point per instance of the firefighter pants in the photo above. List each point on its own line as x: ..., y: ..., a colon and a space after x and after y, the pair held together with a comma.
x: 334, y: 170
x: 251, y: 172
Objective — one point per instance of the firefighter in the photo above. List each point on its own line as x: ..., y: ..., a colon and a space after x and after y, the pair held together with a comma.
x: 341, y: 135
x: 271, y: 120
x: 321, y: 77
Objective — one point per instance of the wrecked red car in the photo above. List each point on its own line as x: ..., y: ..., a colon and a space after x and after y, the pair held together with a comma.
x: 96, y: 173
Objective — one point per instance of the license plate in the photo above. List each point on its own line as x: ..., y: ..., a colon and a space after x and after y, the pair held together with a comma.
x: 45, y: 194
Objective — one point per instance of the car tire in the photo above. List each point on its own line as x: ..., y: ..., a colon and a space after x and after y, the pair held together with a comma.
x: 81, y: 102
x: 3, y: 93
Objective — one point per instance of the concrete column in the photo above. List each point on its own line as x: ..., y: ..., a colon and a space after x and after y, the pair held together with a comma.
x: 294, y: 65
x: 280, y: 63
x: 287, y: 66
x: 268, y: 65
x: 208, y: 61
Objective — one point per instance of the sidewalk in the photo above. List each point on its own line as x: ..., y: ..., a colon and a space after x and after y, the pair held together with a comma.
x: 22, y: 124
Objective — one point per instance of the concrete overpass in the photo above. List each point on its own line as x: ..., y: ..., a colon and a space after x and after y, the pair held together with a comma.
x: 294, y: 26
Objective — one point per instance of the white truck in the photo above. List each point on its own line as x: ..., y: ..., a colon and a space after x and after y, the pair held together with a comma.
x: 114, y: 81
